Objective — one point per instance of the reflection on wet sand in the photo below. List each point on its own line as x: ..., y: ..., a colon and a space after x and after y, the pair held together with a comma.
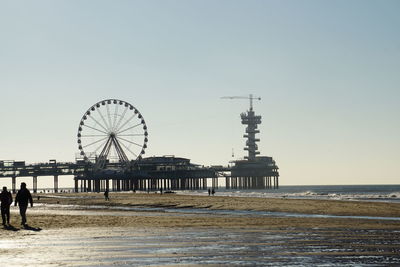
x: 160, y: 247
x: 150, y: 211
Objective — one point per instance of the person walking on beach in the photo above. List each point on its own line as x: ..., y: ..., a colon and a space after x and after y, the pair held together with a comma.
x: 106, y: 195
x: 209, y: 191
x: 6, y: 200
x: 213, y: 191
x: 22, y: 199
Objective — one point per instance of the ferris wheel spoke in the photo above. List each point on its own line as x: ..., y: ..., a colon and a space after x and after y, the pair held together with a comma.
x: 101, y: 125
x: 131, y: 135
x: 104, y: 120
x: 127, y: 148
x: 95, y: 129
x: 122, y: 116
x: 93, y: 135
x: 109, y: 117
x: 134, y: 126
x: 97, y: 141
x: 123, y: 139
x: 115, y: 116
x: 126, y: 122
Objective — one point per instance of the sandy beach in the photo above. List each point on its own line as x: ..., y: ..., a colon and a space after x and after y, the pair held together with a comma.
x: 65, y: 218
x: 308, y: 206
x: 171, y: 201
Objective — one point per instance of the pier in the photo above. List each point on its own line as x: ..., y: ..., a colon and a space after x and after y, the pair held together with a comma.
x: 151, y: 174
x: 112, y: 138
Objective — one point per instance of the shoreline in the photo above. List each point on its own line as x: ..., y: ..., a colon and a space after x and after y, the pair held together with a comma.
x: 289, y: 205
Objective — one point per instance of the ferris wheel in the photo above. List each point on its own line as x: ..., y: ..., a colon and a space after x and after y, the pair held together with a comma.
x: 113, y: 131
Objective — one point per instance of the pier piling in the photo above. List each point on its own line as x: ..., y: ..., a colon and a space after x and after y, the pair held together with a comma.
x: 55, y: 183
x: 34, y: 184
x: 13, y: 181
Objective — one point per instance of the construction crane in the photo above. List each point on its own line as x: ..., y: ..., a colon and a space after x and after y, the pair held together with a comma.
x: 251, y: 97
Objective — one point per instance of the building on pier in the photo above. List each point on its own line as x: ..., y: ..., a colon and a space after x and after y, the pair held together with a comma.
x: 254, y: 172
x: 260, y: 173
x: 149, y: 174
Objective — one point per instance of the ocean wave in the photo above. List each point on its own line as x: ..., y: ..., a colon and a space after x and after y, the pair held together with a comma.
x: 307, y: 194
x: 394, y: 194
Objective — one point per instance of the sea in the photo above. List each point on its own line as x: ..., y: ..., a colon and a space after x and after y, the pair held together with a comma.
x: 383, y: 193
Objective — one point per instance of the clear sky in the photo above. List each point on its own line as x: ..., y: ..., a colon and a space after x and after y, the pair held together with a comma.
x: 328, y: 73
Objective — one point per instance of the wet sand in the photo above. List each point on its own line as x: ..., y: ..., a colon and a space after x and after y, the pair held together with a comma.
x: 171, y: 201
x: 307, y: 206
x: 254, y: 240
x: 135, y: 246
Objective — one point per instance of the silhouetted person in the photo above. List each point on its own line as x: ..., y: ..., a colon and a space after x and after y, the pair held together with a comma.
x: 22, y: 199
x: 106, y: 195
x: 209, y: 191
x: 6, y: 200
x: 213, y: 191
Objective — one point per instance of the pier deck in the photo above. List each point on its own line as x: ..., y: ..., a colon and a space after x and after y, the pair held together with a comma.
x: 154, y: 173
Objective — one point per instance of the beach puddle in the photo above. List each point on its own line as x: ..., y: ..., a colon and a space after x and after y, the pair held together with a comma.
x: 164, y: 247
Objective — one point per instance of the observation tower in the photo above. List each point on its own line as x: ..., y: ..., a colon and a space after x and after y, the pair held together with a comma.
x: 252, y: 121
x: 253, y: 171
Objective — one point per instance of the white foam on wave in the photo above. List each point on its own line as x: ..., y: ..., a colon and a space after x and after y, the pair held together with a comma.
x: 391, y: 197
x: 394, y: 195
